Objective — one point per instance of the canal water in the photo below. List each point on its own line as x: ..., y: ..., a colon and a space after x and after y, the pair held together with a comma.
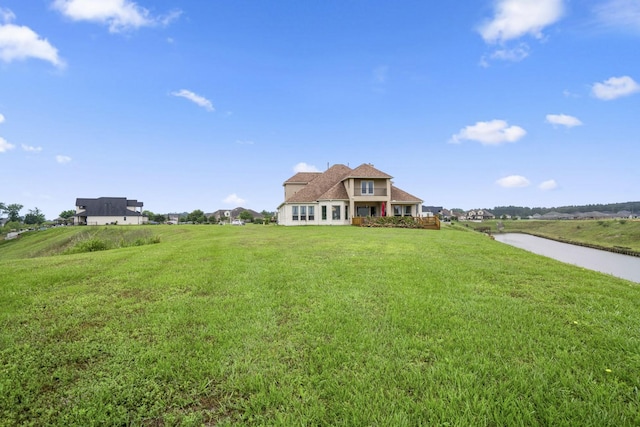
x: 624, y: 266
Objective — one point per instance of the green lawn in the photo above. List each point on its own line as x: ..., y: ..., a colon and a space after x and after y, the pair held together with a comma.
x: 266, y: 325
x: 604, y: 233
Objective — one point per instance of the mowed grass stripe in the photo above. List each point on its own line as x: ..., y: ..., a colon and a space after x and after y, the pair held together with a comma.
x: 269, y: 325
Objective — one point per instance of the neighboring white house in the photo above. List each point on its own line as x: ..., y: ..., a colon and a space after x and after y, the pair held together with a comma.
x: 109, y: 210
x: 335, y: 196
x: 479, y: 215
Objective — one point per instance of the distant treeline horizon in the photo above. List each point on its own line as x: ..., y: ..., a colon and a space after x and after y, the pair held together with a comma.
x: 633, y: 207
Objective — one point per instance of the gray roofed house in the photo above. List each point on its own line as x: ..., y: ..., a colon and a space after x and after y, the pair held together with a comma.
x: 109, y: 210
x: 230, y: 214
x: 340, y: 193
x: 432, y: 210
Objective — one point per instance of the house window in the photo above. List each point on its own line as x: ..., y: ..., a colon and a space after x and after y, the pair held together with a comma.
x: 367, y: 187
x: 397, y: 211
x: 324, y: 213
x: 407, y: 210
x: 312, y: 216
x: 294, y: 213
x: 346, y: 212
x: 125, y: 218
x: 335, y: 212
x: 303, y: 213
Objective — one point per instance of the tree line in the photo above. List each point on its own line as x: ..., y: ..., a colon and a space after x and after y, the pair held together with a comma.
x: 36, y: 217
x: 521, y: 211
x: 199, y: 217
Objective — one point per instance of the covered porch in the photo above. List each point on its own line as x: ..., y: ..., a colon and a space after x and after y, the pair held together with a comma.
x: 391, y: 214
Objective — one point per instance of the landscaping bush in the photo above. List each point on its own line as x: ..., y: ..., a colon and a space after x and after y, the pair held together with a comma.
x: 92, y: 245
x: 111, y: 238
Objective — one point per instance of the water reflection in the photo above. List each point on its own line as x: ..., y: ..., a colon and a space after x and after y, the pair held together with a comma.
x: 624, y: 266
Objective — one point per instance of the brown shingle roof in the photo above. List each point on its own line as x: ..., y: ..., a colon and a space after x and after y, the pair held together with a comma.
x: 366, y: 170
x: 322, y: 184
x: 303, y: 177
x: 337, y: 192
x: 329, y: 185
x: 398, y: 195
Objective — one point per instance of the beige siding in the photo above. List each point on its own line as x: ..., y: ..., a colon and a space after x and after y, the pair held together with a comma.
x: 120, y: 220
x: 285, y: 214
x: 291, y: 189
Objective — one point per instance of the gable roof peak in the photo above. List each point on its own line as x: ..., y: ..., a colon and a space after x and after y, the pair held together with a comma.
x: 367, y: 170
x: 322, y: 184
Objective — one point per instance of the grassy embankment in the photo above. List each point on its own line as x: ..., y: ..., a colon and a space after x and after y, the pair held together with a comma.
x: 313, y: 326
x: 606, y: 234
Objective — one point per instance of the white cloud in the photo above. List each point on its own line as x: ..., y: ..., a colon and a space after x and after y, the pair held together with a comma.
x: 169, y: 17
x: 615, y: 87
x: 568, y: 94
x: 233, y: 199
x: 19, y: 42
x: 239, y: 142
x: 31, y: 149
x: 514, y: 55
x: 5, y: 146
x: 2, y: 118
x: 380, y: 74
x: 513, y: 181
x: 563, y: 120
x: 119, y: 15
x: 494, y: 132
x: 548, y: 185
x: 516, y: 18
x: 63, y: 159
x: 619, y: 15
x: 6, y: 15
x: 303, y: 167
x: 200, y: 100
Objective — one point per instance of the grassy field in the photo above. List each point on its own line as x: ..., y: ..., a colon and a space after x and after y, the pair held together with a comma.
x: 603, y: 233
x: 265, y: 325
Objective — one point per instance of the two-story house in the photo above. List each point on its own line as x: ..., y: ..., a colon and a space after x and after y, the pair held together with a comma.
x: 340, y: 193
x: 108, y: 210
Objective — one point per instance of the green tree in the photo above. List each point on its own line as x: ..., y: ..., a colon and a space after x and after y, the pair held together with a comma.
x: 246, y: 216
x: 159, y: 218
x: 12, y: 225
x: 34, y: 217
x: 67, y: 214
x: 197, y: 216
x: 13, y: 210
x: 267, y: 216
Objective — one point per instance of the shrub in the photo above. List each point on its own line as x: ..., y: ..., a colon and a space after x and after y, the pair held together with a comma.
x: 92, y: 245
x: 109, y: 238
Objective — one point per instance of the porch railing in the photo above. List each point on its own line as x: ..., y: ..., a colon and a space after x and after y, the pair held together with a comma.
x: 358, y: 221
x: 376, y: 192
x: 427, y: 222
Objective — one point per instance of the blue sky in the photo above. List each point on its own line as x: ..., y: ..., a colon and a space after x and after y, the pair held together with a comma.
x: 209, y: 105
